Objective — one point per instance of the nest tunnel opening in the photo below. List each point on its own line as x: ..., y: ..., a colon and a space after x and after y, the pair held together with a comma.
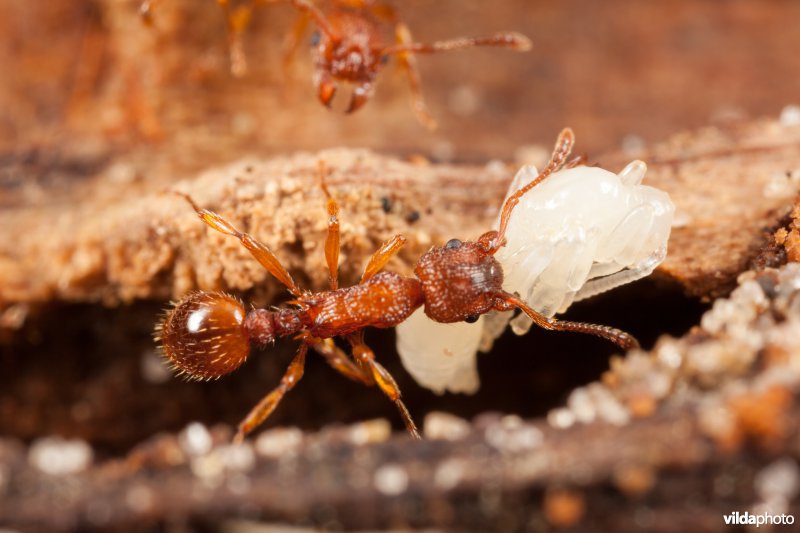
x: 81, y: 371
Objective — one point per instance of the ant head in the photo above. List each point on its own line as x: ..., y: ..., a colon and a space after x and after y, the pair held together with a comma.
x: 460, y: 280
x: 204, y: 335
x: 345, y: 49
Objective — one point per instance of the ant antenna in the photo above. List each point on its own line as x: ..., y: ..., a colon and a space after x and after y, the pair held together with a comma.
x: 319, y: 17
x: 560, y: 154
x: 513, y: 40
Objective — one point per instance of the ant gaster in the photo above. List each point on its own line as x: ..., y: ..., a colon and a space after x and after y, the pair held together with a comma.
x: 208, y: 335
x: 351, y: 44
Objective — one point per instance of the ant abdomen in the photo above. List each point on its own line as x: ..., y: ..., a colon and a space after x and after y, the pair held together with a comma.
x: 204, y: 335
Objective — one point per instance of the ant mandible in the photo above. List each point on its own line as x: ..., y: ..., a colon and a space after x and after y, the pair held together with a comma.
x: 351, y: 45
x: 208, y: 334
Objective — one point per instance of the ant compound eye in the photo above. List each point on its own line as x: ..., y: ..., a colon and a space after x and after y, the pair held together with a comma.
x: 471, y: 319
x: 384, y: 59
x: 315, y: 38
x: 452, y: 244
x: 203, y: 335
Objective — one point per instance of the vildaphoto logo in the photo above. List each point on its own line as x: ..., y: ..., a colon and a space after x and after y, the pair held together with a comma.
x: 762, y: 519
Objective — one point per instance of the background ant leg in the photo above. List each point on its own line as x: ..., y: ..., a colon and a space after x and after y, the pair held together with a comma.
x: 409, y: 65
x: 332, y: 238
x: 236, y: 21
x: 293, y: 39
x: 382, y: 256
x: 259, y: 250
x: 340, y: 361
x: 267, y: 405
x: 624, y: 340
x: 365, y: 356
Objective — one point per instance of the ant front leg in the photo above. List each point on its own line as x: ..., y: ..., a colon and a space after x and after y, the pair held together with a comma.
x: 409, y: 65
x: 364, y: 355
x: 267, y: 405
x: 626, y: 341
x: 382, y: 256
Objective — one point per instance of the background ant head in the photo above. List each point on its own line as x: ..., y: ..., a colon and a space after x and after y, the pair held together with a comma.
x: 204, y: 335
x: 346, y: 49
x: 460, y: 281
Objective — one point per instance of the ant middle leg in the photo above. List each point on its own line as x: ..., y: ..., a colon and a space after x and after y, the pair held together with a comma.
x: 267, y: 405
x: 624, y: 340
x: 340, y: 361
x: 332, y: 239
x: 257, y: 249
x: 364, y: 355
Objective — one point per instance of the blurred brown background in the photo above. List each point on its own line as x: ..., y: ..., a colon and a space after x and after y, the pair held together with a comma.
x: 89, y: 77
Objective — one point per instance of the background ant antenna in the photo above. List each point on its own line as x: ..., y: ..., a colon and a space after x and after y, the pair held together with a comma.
x: 513, y: 40
x: 318, y: 16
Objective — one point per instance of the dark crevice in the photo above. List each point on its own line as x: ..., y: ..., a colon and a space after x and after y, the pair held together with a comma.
x: 95, y: 388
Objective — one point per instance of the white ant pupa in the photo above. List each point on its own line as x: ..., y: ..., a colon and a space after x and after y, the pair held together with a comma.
x: 580, y: 232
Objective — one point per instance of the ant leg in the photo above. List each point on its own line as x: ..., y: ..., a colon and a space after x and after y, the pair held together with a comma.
x: 493, y: 241
x: 259, y: 250
x: 292, y: 41
x: 626, y: 341
x: 236, y: 21
x: 340, y: 361
x: 382, y: 256
x: 364, y: 355
x: 267, y: 405
x: 409, y: 65
x: 332, y: 239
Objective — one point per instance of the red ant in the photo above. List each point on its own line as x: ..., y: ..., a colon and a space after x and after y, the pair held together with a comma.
x: 351, y: 45
x: 208, y: 335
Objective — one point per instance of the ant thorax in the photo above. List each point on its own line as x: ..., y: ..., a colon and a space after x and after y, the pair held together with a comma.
x: 580, y: 232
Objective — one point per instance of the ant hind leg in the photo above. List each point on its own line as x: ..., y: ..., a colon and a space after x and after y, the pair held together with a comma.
x: 267, y: 405
x: 257, y: 249
x: 365, y: 356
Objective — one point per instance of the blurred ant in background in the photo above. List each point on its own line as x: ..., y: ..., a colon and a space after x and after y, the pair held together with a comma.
x: 352, y: 42
x: 208, y: 335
